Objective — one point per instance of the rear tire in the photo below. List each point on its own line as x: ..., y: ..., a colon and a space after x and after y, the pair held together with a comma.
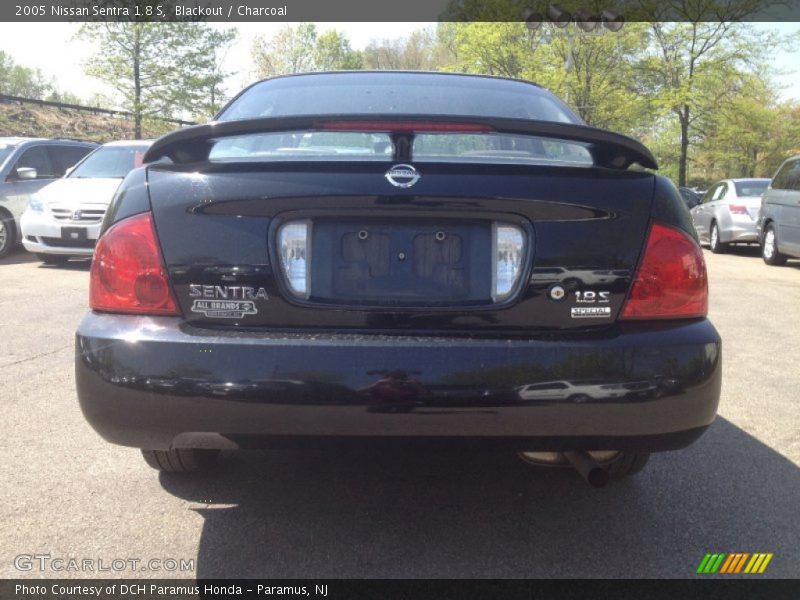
x: 579, y: 398
x: 8, y: 234
x: 53, y: 260
x: 181, y: 460
x: 716, y: 246
x: 769, y: 249
x: 627, y: 464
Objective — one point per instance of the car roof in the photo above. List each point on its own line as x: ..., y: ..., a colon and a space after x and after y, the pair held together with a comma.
x: 387, y: 73
x: 143, y: 143
x: 13, y: 141
x: 739, y: 180
x: 61, y: 140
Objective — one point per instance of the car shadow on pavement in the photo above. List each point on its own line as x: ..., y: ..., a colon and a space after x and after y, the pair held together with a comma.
x: 296, y: 514
x: 745, y: 250
x: 17, y: 256
x: 74, y: 264
x: 755, y: 252
x: 793, y: 263
x: 741, y: 250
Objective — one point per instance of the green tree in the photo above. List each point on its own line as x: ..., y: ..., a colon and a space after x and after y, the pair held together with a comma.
x: 420, y: 51
x: 288, y: 51
x: 159, y: 69
x: 332, y: 52
x: 64, y: 97
x: 300, y: 49
x: 209, y: 81
x: 592, y: 72
x: 692, y: 66
x: 693, y: 90
x: 18, y: 80
x: 504, y: 49
x: 752, y: 133
x: 597, y: 76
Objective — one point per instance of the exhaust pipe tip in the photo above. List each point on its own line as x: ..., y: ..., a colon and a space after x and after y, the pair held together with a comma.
x: 597, y: 477
x: 594, y: 474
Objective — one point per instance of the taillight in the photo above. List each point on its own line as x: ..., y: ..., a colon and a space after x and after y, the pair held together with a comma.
x: 671, y: 279
x: 128, y: 274
x: 737, y: 209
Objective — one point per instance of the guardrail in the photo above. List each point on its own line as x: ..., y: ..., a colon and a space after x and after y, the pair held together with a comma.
x: 4, y: 99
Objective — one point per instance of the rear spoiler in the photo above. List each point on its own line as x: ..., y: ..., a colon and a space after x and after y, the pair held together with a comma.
x: 608, y: 149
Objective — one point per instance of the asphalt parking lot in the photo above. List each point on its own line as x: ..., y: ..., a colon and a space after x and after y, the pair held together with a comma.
x: 67, y: 493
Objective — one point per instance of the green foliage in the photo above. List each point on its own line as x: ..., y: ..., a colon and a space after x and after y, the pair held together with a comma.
x: 695, y: 92
x: 300, y: 48
x: 421, y: 51
x: 205, y: 93
x: 288, y: 51
x: 159, y: 69
x: 332, y: 52
x: 632, y: 11
x: 692, y: 69
x: 17, y: 80
x: 64, y: 97
x: 704, y: 75
x: 592, y: 72
x: 504, y: 49
x: 751, y: 134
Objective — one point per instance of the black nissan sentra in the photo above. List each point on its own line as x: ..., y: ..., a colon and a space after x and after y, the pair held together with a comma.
x: 399, y: 257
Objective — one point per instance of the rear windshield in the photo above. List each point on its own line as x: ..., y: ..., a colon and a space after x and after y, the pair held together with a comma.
x: 111, y: 162
x: 427, y: 147
x: 498, y: 148
x: 316, y: 145
x: 397, y: 93
x: 751, y: 188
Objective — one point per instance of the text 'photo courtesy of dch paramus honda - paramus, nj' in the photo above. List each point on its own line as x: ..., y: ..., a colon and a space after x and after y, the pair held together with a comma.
x: 373, y: 257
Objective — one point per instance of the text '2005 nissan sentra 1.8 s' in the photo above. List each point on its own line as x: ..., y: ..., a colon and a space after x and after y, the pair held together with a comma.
x: 399, y: 257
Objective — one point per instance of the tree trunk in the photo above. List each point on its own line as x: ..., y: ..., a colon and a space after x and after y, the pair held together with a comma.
x: 137, y: 85
x: 684, y: 156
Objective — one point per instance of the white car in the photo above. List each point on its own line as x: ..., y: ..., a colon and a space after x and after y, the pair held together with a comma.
x: 577, y: 391
x: 26, y: 166
x: 63, y: 218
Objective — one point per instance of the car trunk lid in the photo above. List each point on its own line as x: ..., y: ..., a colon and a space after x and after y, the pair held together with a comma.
x: 392, y: 221
x: 419, y: 259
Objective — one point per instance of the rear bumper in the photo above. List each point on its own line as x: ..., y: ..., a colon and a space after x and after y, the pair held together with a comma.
x: 156, y: 383
x: 738, y: 229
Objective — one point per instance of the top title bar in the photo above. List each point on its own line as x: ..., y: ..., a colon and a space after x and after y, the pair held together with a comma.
x: 531, y: 11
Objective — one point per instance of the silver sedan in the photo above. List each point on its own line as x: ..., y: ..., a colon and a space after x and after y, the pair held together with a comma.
x: 728, y: 213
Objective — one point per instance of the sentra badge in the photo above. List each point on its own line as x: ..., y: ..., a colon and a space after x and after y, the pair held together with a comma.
x: 226, y: 301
